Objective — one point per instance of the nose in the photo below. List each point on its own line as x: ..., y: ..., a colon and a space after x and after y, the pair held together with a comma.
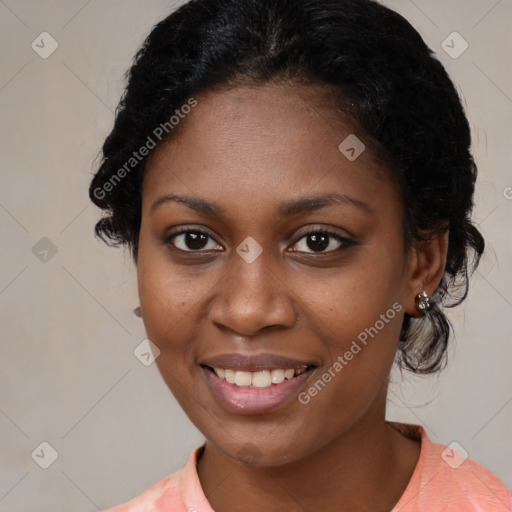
x: 253, y: 296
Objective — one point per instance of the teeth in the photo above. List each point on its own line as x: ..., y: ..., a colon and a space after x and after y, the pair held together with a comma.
x: 261, y: 379
x: 277, y: 376
x: 288, y: 374
x: 229, y: 375
x: 243, y: 378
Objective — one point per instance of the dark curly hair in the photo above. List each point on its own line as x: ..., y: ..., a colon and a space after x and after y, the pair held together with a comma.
x: 383, y: 76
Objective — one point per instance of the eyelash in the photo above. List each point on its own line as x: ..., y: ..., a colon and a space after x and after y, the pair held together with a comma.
x: 345, y: 242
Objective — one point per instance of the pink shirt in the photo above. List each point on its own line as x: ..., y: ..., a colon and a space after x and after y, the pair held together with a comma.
x: 443, y: 480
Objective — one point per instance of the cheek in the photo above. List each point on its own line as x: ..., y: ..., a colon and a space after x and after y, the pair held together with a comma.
x: 361, y: 341
x: 169, y: 312
x: 359, y: 315
x: 169, y: 294
x: 354, y: 296
x: 355, y: 376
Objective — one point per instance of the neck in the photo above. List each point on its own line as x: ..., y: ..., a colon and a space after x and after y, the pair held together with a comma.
x: 371, y: 455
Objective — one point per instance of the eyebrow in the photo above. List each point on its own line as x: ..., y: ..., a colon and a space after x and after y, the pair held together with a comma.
x: 286, y: 209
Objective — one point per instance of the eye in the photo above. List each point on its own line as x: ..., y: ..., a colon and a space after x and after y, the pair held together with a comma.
x: 319, y: 240
x: 192, y: 240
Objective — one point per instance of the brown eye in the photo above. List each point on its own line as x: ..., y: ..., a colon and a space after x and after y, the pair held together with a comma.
x: 191, y: 241
x: 319, y: 241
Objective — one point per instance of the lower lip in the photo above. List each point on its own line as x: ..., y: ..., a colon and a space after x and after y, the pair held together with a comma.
x: 245, y: 400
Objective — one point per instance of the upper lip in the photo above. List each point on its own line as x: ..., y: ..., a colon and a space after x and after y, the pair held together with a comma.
x: 254, y: 362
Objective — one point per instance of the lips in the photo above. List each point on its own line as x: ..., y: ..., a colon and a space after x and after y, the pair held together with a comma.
x: 244, y: 396
x: 254, y: 363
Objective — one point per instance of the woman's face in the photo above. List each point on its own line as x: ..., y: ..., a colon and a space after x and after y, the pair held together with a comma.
x: 278, y: 282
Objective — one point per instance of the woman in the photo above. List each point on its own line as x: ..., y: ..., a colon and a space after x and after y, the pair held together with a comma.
x: 294, y: 181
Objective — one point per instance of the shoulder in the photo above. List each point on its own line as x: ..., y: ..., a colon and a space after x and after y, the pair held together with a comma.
x: 456, y: 475
x: 163, y: 495
x: 166, y: 495
x: 445, y: 479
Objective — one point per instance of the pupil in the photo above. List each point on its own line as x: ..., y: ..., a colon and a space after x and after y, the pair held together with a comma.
x: 319, y: 242
x: 195, y: 240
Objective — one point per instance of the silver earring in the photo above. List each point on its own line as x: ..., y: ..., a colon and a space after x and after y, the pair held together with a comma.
x: 423, y: 302
x: 138, y: 312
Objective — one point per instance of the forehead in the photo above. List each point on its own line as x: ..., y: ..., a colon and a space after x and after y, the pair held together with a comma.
x: 268, y: 141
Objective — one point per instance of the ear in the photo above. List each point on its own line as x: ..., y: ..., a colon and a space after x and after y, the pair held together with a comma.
x: 427, y: 261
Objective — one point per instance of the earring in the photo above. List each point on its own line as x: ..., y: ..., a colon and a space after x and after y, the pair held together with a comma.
x: 423, y: 301
x: 138, y: 312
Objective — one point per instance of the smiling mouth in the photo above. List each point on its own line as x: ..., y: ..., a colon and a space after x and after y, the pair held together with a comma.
x: 260, y: 379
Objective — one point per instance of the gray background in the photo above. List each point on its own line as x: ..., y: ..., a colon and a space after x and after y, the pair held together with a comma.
x: 68, y: 374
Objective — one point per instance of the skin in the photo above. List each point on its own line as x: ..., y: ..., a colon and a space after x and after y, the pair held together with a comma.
x: 248, y: 150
